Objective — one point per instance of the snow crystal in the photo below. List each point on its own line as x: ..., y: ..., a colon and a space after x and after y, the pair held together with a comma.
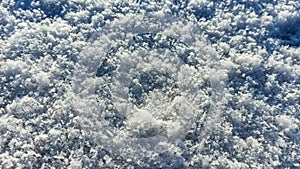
x: 149, y: 84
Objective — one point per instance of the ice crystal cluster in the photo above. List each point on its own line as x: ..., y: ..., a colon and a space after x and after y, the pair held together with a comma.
x: 149, y: 84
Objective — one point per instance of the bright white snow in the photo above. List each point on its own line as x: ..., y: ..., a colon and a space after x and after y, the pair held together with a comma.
x: 149, y: 84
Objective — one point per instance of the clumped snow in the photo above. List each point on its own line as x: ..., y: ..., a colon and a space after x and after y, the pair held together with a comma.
x: 149, y: 84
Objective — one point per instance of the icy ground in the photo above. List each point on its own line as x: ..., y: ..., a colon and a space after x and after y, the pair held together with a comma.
x: 150, y: 84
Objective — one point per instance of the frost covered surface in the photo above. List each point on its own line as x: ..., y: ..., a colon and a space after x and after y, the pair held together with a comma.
x: 150, y: 84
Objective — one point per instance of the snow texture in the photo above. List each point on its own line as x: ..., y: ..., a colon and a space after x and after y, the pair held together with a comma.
x: 149, y: 84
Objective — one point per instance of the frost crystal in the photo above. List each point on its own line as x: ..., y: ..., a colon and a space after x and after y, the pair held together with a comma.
x: 149, y: 84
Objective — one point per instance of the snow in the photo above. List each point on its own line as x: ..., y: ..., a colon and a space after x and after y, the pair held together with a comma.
x: 149, y: 84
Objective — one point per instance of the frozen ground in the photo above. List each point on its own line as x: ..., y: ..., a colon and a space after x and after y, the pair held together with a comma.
x: 150, y: 84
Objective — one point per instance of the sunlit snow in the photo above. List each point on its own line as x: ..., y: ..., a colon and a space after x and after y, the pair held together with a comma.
x: 150, y: 84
